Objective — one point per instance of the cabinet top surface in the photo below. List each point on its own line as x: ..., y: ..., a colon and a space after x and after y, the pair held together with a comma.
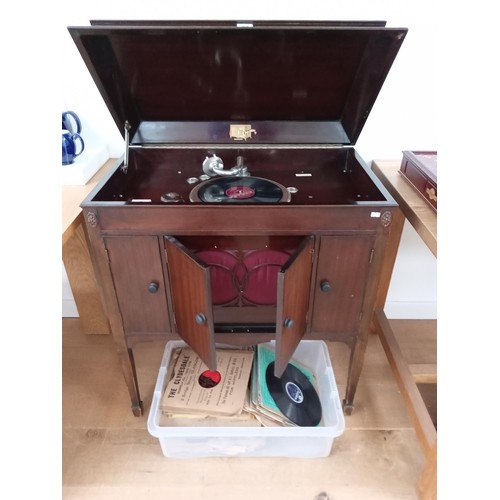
x: 300, y: 177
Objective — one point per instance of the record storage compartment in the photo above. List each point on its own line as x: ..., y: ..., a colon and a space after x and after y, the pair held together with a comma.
x: 293, y: 442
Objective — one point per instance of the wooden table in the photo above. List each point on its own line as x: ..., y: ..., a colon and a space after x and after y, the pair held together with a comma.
x: 415, y: 209
x: 424, y: 220
x: 76, y: 256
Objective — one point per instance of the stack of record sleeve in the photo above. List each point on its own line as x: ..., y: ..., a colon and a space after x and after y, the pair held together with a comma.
x: 290, y: 400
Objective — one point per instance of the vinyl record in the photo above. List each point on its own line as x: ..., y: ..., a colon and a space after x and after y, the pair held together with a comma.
x: 240, y: 190
x: 294, y: 395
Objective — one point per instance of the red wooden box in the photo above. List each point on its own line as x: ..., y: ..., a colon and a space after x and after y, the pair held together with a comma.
x: 419, y: 168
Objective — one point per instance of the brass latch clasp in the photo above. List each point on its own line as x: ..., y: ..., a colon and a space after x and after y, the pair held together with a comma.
x: 240, y: 132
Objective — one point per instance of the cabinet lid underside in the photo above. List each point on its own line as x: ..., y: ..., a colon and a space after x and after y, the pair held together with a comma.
x: 292, y: 82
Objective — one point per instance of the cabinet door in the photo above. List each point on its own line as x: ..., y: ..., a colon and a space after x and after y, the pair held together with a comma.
x: 139, y: 283
x: 341, y: 277
x: 191, y: 295
x: 294, y: 284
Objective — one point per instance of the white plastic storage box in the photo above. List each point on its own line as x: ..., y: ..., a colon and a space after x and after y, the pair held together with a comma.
x: 297, y: 442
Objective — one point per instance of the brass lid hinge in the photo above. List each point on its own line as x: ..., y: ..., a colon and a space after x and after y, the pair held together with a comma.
x: 126, y: 129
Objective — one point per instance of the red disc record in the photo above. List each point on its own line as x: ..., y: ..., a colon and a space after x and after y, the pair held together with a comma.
x: 240, y: 192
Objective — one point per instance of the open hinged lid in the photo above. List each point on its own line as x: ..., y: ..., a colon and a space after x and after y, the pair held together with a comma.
x: 220, y: 82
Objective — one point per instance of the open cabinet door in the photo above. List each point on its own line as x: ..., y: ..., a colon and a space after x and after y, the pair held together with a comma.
x: 190, y: 286
x: 294, y: 284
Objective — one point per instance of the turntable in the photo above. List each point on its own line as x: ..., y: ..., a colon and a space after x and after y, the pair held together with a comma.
x: 240, y: 190
x: 239, y: 180
x: 236, y: 185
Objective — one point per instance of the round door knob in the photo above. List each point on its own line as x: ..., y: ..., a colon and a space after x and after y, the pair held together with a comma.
x: 288, y: 323
x: 153, y: 287
x: 325, y: 286
x: 200, y: 319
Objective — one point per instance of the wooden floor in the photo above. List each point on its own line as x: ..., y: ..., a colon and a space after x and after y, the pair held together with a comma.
x: 108, y: 453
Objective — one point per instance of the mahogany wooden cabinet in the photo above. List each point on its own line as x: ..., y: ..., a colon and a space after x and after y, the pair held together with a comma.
x: 281, y: 271
x: 240, y: 211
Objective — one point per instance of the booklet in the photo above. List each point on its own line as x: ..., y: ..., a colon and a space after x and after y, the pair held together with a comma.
x: 193, y: 388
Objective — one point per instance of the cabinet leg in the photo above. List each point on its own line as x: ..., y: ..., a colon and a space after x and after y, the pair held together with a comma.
x: 348, y: 409
x: 137, y: 410
x: 129, y: 373
x: 354, y: 372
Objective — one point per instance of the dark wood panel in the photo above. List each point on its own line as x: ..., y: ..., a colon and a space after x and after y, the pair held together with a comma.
x: 293, y: 303
x: 313, y: 74
x: 421, y: 182
x: 190, y: 285
x: 139, y: 283
x: 209, y: 220
x: 341, y: 276
x: 320, y: 176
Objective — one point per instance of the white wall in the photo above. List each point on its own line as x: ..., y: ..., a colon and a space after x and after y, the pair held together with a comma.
x: 403, y: 116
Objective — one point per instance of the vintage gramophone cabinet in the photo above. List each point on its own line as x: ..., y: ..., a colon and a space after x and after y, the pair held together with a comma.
x: 240, y: 211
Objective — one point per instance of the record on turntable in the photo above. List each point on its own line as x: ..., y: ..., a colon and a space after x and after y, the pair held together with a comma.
x: 294, y: 395
x: 233, y: 189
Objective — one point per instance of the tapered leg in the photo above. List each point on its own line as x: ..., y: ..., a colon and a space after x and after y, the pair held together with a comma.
x: 354, y: 372
x: 129, y: 373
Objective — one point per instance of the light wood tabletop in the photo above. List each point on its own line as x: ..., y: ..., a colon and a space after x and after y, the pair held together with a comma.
x: 73, y: 195
x: 420, y: 215
x: 76, y: 255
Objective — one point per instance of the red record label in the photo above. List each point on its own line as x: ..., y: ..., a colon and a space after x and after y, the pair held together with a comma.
x: 209, y: 379
x: 240, y: 192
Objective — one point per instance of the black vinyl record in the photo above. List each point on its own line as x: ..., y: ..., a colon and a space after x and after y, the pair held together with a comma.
x: 294, y: 395
x: 240, y: 190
